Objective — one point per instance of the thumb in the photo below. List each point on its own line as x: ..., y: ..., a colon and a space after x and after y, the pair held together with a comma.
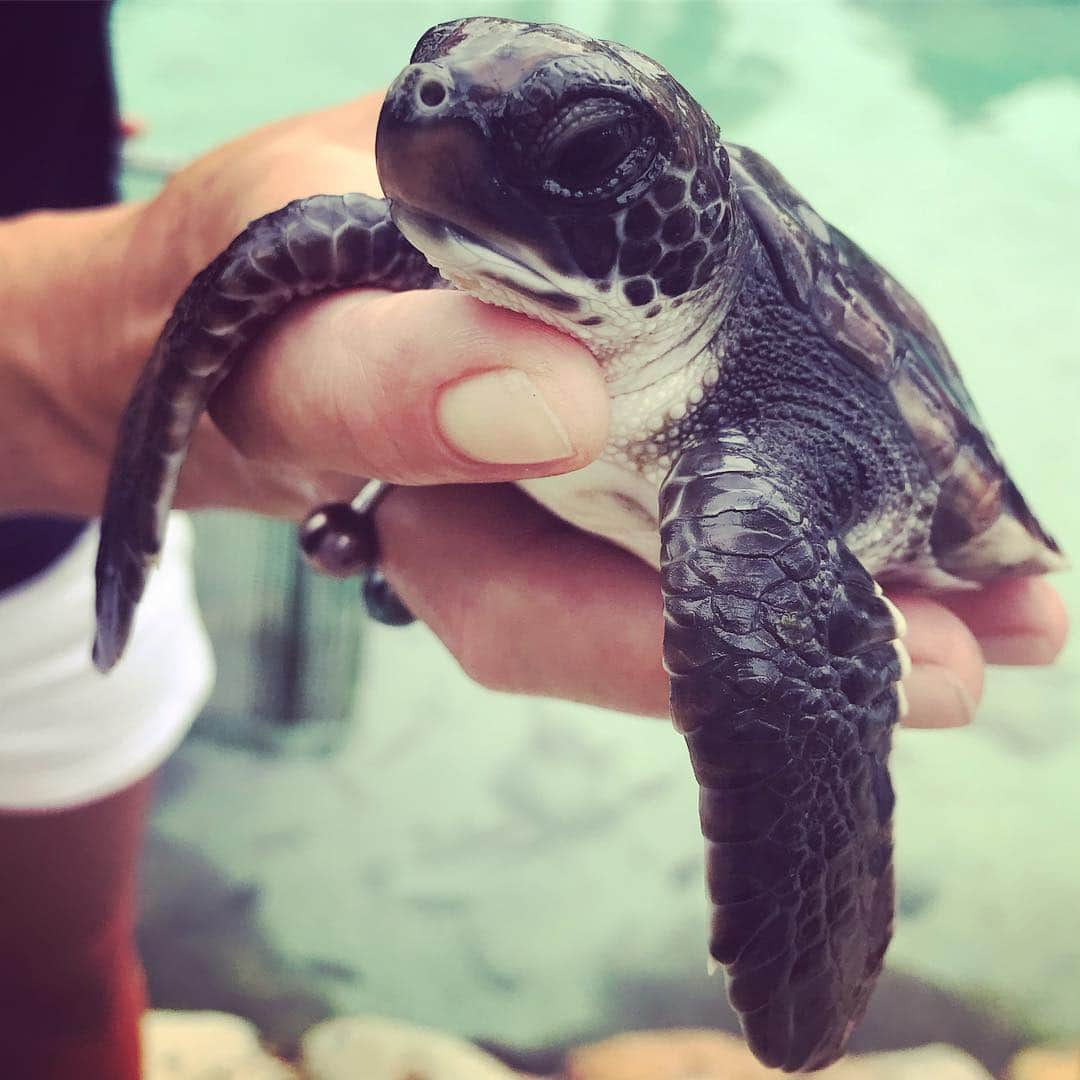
x: 416, y: 388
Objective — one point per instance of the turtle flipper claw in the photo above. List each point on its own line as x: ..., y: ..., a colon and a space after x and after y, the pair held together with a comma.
x: 783, y: 679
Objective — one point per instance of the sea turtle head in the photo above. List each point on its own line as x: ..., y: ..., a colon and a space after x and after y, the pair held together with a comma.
x: 568, y: 178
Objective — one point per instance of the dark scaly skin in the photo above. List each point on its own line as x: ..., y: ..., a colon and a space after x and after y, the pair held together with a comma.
x: 783, y: 681
x: 874, y: 322
x: 312, y: 245
x: 783, y: 669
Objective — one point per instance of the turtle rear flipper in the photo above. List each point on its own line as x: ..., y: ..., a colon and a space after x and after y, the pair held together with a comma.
x: 983, y: 528
x: 310, y: 246
x: 783, y: 665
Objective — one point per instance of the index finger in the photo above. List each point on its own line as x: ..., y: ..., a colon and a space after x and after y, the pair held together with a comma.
x: 1017, y: 621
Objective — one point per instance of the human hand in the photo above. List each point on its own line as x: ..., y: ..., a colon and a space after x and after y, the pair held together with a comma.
x: 529, y: 604
x: 359, y: 384
x: 350, y: 386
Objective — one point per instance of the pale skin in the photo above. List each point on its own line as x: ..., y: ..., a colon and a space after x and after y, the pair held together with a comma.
x: 348, y: 387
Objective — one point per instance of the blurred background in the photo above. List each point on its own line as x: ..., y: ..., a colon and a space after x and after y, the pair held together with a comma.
x: 353, y: 827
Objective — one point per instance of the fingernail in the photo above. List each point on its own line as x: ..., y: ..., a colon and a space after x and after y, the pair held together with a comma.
x: 937, y: 698
x: 501, y: 417
x: 1018, y: 649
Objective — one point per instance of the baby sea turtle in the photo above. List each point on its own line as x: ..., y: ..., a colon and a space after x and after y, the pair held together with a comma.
x: 787, y: 430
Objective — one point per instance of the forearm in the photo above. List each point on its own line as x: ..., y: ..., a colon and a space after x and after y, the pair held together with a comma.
x: 62, y: 376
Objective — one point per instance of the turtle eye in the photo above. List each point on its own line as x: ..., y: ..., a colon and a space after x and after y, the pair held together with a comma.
x: 588, y: 156
x: 591, y: 148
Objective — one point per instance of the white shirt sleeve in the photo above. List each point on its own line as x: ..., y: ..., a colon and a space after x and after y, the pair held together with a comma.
x: 69, y: 735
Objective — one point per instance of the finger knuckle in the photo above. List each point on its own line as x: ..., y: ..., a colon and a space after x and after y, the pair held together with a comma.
x: 370, y: 406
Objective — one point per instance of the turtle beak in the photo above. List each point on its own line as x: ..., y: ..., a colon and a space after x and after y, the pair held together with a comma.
x: 432, y: 148
x: 435, y: 153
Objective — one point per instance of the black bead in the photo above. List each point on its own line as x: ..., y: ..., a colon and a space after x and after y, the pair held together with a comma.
x: 338, y: 541
x: 382, y: 603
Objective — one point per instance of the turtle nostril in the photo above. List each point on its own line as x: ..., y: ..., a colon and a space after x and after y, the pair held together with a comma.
x: 432, y: 93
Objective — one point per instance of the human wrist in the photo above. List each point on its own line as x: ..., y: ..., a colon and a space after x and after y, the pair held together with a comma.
x: 62, y: 346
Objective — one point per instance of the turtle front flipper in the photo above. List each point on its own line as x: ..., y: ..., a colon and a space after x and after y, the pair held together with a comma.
x: 783, y: 665
x: 313, y: 245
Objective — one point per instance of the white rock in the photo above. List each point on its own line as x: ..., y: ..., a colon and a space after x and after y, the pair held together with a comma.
x: 689, y: 1054
x: 205, y: 1046
x: 371, y: 1048
x: 1045, y: 1063
x: 921, y: 1063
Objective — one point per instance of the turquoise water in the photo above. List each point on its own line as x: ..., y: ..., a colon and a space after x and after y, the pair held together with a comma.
x: 522, y: 869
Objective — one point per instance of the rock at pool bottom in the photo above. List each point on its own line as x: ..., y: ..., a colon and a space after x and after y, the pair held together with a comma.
x: 217, y: 1046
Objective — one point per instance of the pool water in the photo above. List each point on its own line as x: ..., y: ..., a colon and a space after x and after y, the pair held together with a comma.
x: 525, y: 870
